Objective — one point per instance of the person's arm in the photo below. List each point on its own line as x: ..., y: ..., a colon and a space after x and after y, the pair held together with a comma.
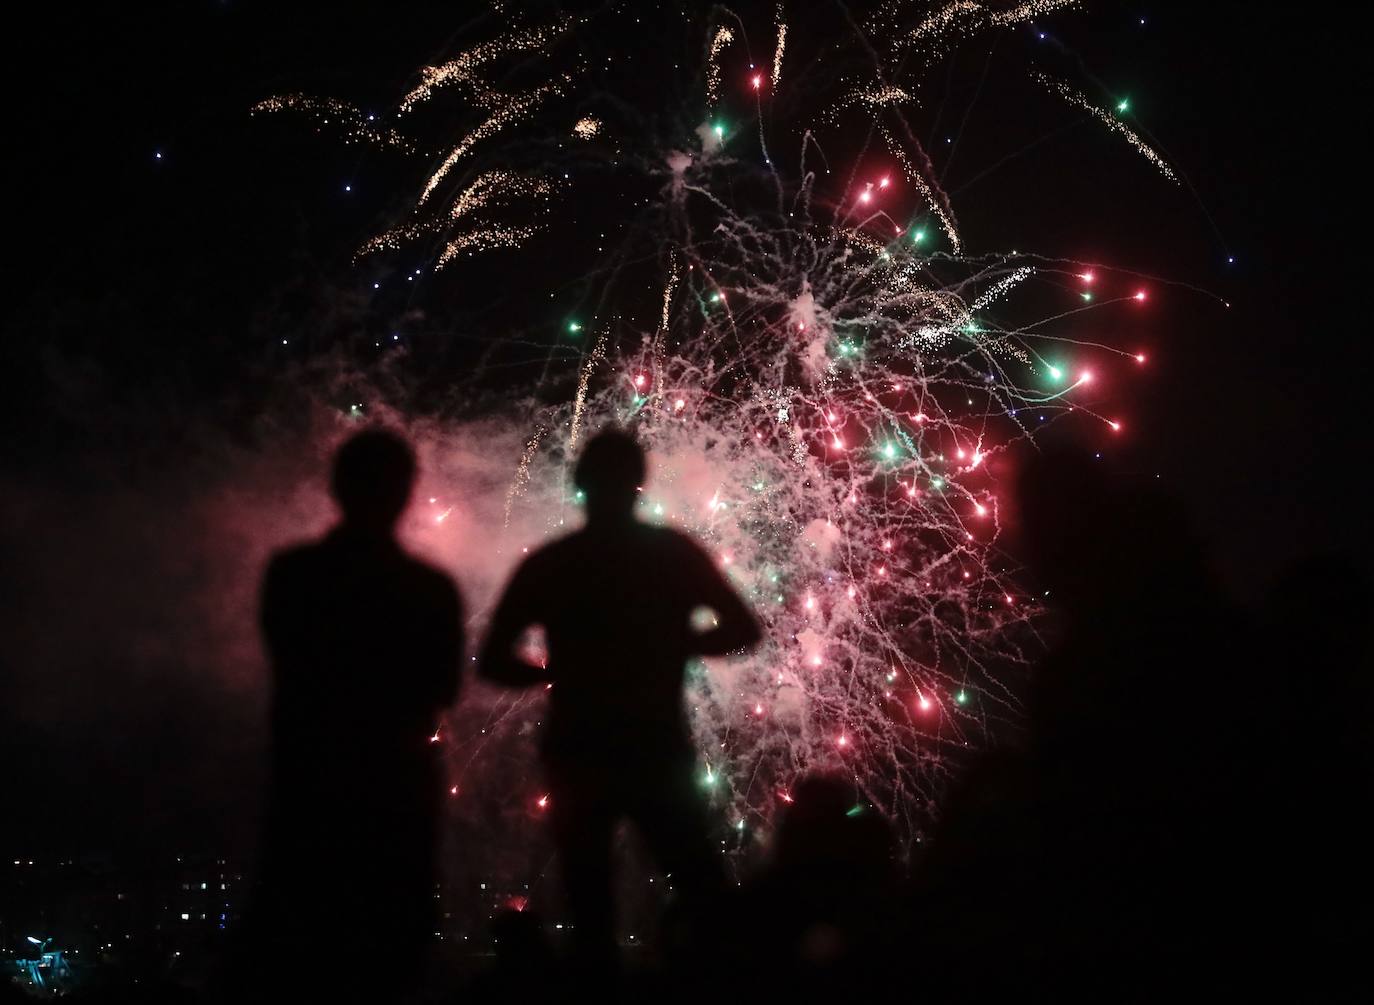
x: 516, y: 611
x: 736, y: 627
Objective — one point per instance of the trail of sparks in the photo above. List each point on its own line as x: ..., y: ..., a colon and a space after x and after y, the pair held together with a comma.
x: 516, y: 108
x: 353, y: 124
x: 522, y: 473
x: 489, y: 190
x: 723, y: 37
x: 964, y: 17
x: 595, y: 358
x: 781, y: 45
x: 1074, y: 97
x: 1023, y: 12
x: 466, y: 69
x: 927, y: 191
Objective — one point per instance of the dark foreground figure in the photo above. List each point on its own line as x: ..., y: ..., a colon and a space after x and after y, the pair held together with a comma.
x: 365, y: 644
x: 1126, y: 850
x: 615, y: 601
x: 820, y: 921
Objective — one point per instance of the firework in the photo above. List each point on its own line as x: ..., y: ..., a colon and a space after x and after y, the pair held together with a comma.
x: 827, y: 390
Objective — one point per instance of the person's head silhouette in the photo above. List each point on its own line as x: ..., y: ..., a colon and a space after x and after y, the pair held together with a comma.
x: 609, y: 474
x: 373, y: 476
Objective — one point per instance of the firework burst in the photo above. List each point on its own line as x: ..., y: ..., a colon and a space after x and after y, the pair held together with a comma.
x: 827, y: 391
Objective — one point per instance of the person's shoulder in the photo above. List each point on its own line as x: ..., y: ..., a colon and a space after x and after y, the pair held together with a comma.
x: 674, y: 541
x: 294, y: 559
x: 430, y: 577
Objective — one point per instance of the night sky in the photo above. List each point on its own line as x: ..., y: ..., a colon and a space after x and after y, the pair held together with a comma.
x: 149, y: 294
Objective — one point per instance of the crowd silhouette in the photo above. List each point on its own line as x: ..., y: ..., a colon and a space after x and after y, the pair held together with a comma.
x: 1180, y: 815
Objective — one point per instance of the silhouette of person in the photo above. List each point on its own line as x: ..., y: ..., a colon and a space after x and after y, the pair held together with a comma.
x: 821, y: 916
x: 365, y: 644
x: 615, y: 601
x: 1139, y: 750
